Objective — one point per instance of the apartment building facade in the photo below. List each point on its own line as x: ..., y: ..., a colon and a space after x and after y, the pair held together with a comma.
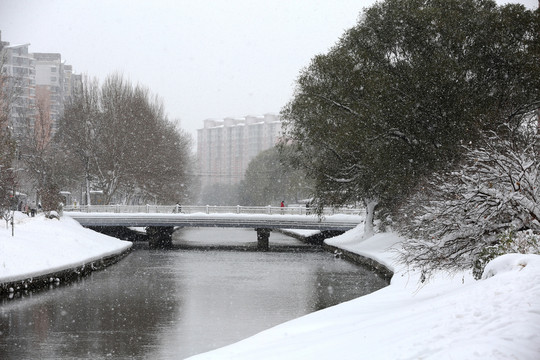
x: 36, y: 80
x: 18, y: 65
x: 50, y: 86
x: 225, y: 147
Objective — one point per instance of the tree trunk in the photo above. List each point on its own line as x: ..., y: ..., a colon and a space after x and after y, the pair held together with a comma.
x: 370, y: 205
x: 87, y: 179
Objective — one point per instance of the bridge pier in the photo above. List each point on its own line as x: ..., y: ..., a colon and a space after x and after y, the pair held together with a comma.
x: 263, y: 236
x: 159, y: 236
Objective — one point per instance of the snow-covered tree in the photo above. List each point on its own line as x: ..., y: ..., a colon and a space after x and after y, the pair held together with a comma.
x: 458, y: 214
x: 401, y: 91
x: 8, y: 178
x: 76, y: 136
x: 124, y: 145
x: 34, y: 150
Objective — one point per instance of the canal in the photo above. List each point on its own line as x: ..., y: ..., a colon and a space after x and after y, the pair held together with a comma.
x: 170, y: 304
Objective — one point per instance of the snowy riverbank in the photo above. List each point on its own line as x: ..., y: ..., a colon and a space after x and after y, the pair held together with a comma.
x: 451, y: 317
x: 448, y: 318
x: 44, y: 246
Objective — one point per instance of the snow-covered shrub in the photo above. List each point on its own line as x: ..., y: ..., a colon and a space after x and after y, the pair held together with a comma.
x: 510, y: 242
x: 458, y: 216
x: 52, y: 215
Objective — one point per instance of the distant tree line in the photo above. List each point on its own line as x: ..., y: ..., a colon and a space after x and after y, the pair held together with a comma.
x: 410, y: 93
x: 269, y: 179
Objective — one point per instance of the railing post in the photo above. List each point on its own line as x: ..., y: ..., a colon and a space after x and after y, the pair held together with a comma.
x: 267, y: 209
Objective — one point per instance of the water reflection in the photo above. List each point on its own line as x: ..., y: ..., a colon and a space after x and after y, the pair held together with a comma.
x: 171, y: 304
x: 99, y: 316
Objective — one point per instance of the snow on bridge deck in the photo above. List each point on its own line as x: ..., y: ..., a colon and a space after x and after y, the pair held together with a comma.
x: 332, y: 222
x: 277, y: 219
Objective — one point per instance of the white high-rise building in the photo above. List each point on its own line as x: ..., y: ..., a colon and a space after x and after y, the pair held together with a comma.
x: 72, y: 83
x: 225, y: 147
x: 19, y: 66
x: 50, y: 85
x: 36, y: 80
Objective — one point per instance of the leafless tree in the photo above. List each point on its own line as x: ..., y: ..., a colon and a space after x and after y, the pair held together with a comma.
x: 129, y: 149
x: 7, y: 145
x: 76, y: 135
x: 34, y: 140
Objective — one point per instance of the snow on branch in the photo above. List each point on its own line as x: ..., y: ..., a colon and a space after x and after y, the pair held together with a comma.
x: 495, y: 190
x: 338, y: 104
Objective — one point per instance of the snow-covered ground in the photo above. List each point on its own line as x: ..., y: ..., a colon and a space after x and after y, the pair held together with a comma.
x: 42, y: 246
x: 454, y: 317
x: 450, y: 317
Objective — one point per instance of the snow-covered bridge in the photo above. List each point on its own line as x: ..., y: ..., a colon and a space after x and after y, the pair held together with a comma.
x: 161, y: 220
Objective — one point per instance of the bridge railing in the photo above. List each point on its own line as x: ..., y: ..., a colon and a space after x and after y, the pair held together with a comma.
x: 209, y: 209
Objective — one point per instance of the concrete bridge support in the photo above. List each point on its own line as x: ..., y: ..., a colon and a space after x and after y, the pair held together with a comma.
x: 263, y: 236
x: 159, y: 236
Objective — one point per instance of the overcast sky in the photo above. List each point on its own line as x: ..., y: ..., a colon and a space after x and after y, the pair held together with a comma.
x: 203, y: 58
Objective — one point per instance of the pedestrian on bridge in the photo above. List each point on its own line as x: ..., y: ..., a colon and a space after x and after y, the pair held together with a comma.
x: 177, y: 208
x: 282, y: 207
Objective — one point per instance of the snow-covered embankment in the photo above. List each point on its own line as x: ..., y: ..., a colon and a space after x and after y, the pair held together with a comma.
x: 449, y: 317
x: 49, y: 249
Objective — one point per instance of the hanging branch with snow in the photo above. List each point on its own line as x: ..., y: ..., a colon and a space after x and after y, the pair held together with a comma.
x: 496, y: 190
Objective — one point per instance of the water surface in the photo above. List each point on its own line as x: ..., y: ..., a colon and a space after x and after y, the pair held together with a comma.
x: 170, y: 304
